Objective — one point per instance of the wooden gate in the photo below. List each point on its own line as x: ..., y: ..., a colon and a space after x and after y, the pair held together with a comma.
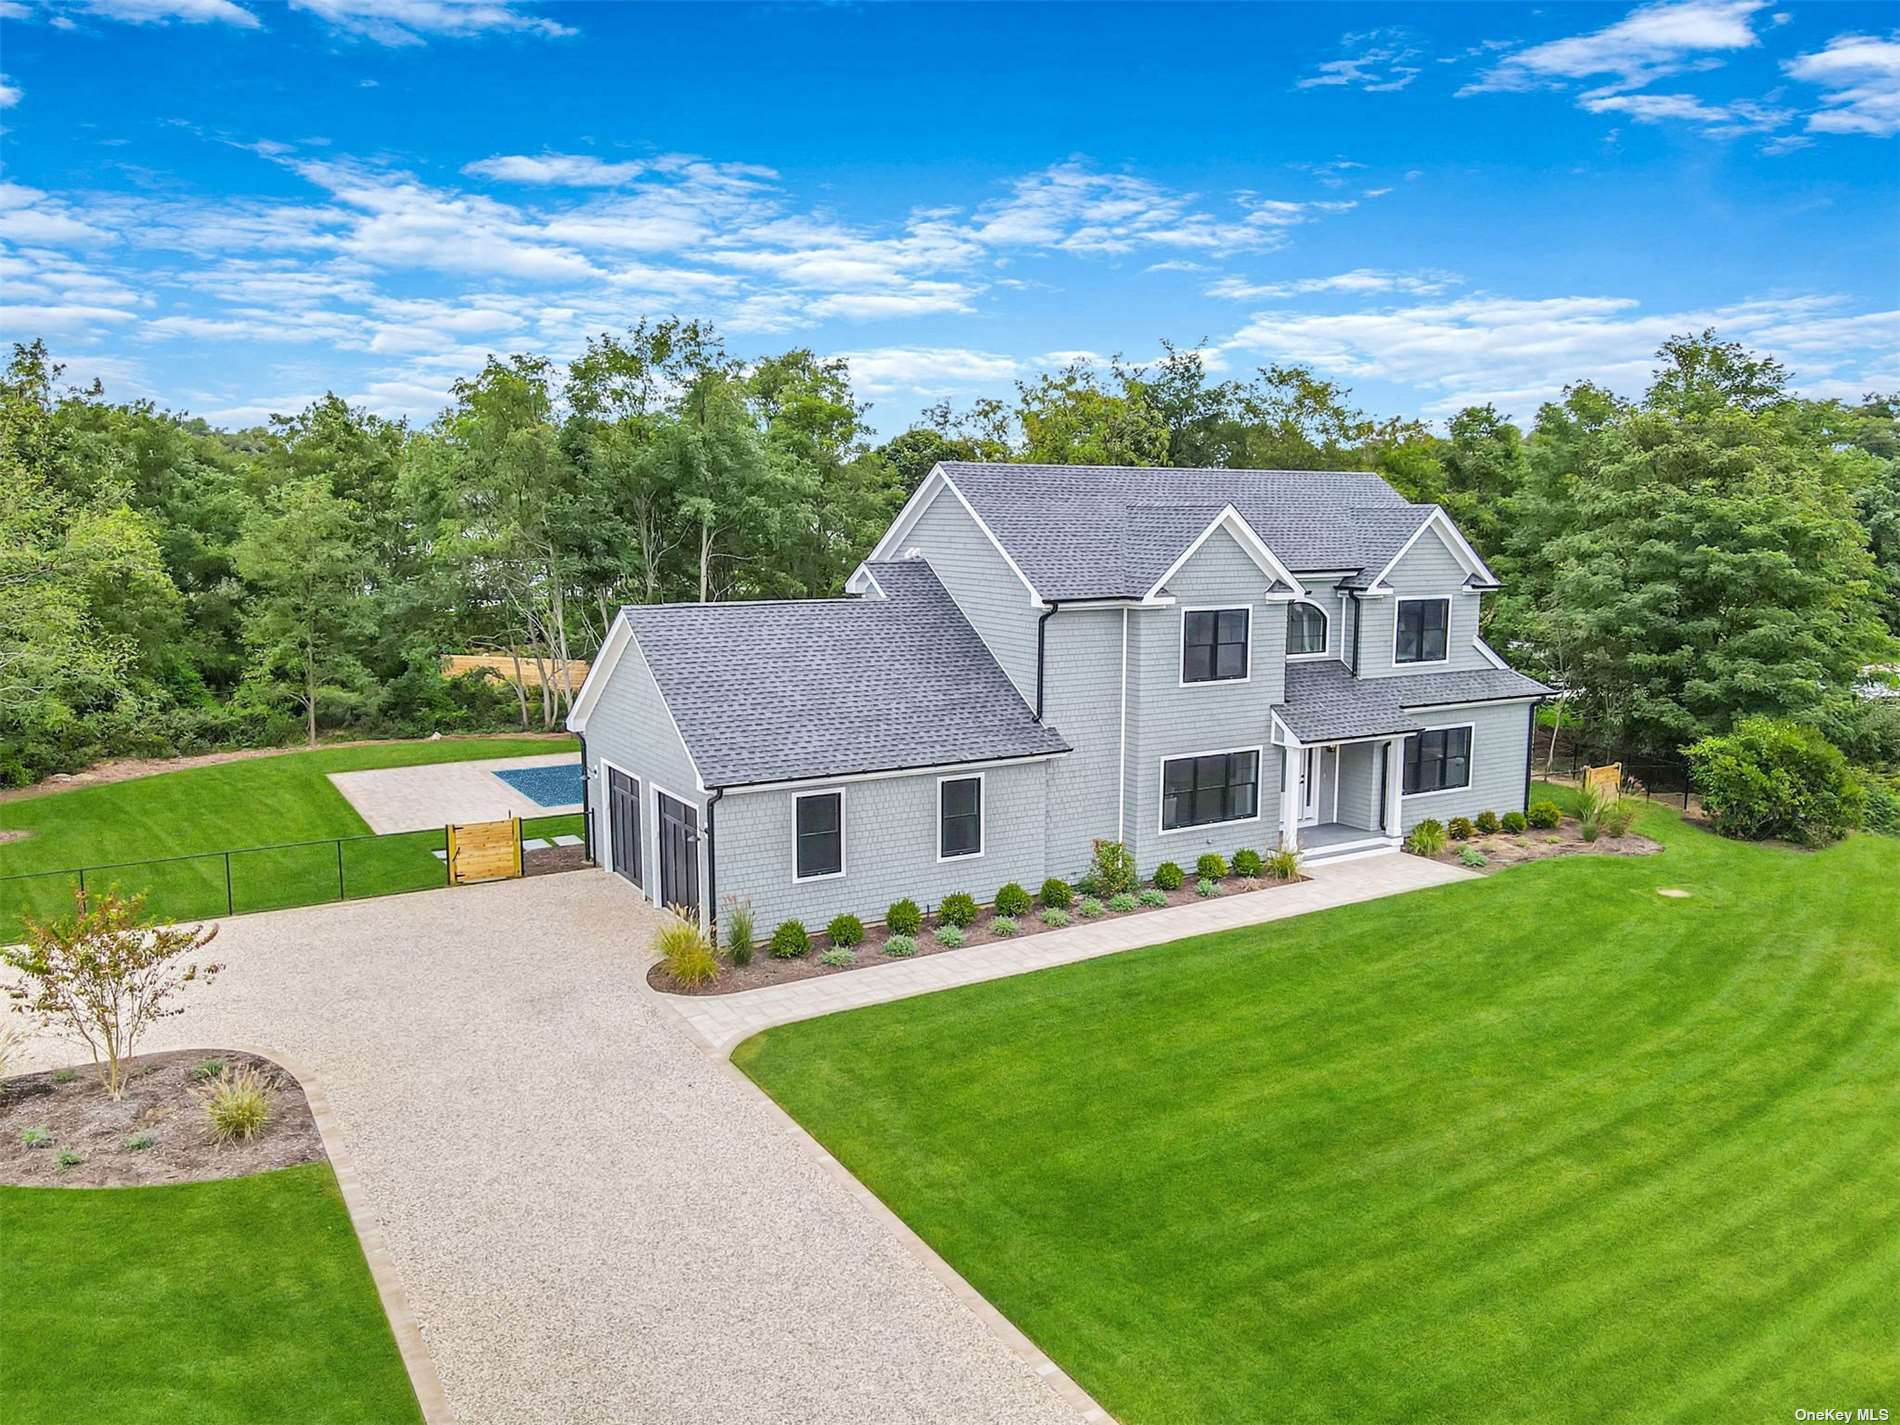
x: 484, y: 851
x: 1607, y: 780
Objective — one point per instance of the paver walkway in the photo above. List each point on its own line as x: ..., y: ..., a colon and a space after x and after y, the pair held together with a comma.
x: 721, y: 1021
x: 429, y: 797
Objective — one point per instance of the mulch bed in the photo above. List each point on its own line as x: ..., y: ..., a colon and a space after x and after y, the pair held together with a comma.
x: 764, y: 970
x: 1504, y: 849
x: 159, y: 1100
x: 554, y: 858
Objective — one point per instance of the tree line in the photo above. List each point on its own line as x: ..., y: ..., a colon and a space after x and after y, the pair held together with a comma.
x: 1716, y: 549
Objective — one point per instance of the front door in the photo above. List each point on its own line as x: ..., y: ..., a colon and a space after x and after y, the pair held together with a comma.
x: 1309, y: 785
x: 623, y: 823
x: 679, y: 859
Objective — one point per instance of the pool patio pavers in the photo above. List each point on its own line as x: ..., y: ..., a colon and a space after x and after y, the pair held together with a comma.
x: 430, y: 797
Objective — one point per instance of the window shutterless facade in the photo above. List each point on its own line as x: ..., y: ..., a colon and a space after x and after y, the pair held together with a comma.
x: 1210, y: 788
x: 818, y: 836
x: 1438, y: 760
x: 1422, y: 631
x: 959, y: 817
x: 1305, y: 630
x: 1214, y: 645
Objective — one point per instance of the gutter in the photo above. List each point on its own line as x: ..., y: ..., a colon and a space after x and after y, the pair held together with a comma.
x: 1042, y: 623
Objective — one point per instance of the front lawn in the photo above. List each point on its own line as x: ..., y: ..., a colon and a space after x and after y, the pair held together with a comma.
x: 240, y: 1301
x: 1545, y: 1147
x: 199, y: 813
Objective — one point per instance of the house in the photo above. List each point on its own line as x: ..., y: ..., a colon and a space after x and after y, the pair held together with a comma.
x: 1037, y: 656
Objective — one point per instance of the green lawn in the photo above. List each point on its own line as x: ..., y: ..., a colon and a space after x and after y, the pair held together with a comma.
x: 241, y: 1301
x: 1546, y: 1147
x: 203, y: 812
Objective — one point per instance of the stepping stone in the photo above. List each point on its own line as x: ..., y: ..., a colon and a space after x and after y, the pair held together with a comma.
x: 1674, y: 893
x: 440, y: 855
x: 567, y: 841
x: 534, y: 844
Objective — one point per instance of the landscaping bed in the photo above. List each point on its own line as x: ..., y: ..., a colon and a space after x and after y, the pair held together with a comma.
x: 766, y: 969
x: 1503, y: 849
x: 47, y: 1119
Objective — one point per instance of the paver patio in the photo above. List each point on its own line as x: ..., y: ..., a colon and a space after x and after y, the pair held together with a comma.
x: 428, y: 797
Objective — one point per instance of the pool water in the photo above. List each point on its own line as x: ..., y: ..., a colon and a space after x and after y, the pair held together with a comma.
x: 546, y: 786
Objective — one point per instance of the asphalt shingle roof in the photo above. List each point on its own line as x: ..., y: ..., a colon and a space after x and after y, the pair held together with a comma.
x: 780, y: 691
x: 1325, y: 703
x: 1109, y: 531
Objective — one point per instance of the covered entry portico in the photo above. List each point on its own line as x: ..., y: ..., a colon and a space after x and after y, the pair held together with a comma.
x: 1341, y: 797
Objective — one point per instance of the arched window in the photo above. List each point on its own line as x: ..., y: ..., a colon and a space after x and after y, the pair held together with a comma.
x: 1305, y: 629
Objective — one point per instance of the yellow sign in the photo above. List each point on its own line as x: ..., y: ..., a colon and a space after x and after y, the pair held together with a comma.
x: 484, y: 851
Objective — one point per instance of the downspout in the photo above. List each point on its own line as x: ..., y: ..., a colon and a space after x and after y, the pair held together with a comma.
x: 1530, y: 743
x: 1042, y: 627
x: 712, y: 868
x: 587, y: 802
x: 1353, y: 594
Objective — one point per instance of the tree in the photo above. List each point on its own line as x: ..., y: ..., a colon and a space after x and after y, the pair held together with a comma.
x: 1774, y: 779
x: 1071, y: 418
x: 103, y: 976
x: 307, y: 613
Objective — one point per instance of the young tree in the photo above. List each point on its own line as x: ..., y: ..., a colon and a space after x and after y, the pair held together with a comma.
x: 103, y: 976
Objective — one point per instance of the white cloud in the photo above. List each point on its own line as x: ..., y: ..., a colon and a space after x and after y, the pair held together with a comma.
x: 1376, y: 62
x: 192, y: 12
x: 1720, y: 120
x: 1646, y: 44
x: 928, y: 371
x: 1860, y: 77
x: 409, y: 22
x: 1360, y: 279
x: 30, y: 216
x: 568, y: 170
x: 9, y: 93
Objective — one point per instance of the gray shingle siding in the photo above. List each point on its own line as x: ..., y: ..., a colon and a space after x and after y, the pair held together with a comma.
x: 1082, y: 699
x: 1428, y: 569
x: 1498, y: 739
x: 992, y: 598
x: 890, y: 847
x: 1359, y: 785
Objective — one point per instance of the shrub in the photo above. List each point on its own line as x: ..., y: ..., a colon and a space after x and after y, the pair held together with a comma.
x: 1212, y: 866
x: 686, y: 953
x: 1619, y: 815
x: 207, y: 1069
x: 838, y: 957
x: 904, y: 918
x: 1056, y: 894
x: 900, y: 947
x: 1207, y: 886
x: 1459, y: 828
x: 1055, y: 917
x: 1169, y: 876
x: 739, y: 931
x: 1112, y: 869
x: 1513, y: 822
x: 1153, y: 898
x: 67, y: 1159
x: 950, y: 935
x: 1474, y: 858
x: 237, y: 1103
x: 1427, y: 838
x: 1012, y: 900
x: 1590, y: 804
x: 1004, y: 925
x: 790, y: 940
x: 36, y: 1137
x: 958, y: 909
x: 141, y: 1140
x: 1882, y: 812
x: 1770, y: 778
x: 103, y: 975
x: 1486, y: 823
x: 845, y: 931
x: 1284, y: 864
x: 1544, y: 815
x: 1247, y: 862
x: 1122, y: 901
x: 1090, y: 907
x: 64, y: 1076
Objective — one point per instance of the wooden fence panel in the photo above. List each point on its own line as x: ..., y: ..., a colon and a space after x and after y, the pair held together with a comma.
x: 1608, y: 780
x: 484, y: 851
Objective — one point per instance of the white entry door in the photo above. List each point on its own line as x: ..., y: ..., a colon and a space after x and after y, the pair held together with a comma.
x: 1310, y: 765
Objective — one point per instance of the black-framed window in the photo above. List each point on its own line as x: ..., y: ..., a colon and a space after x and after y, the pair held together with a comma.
x: 1438, y: 760
x: 1200, y: 791
x: 1214, y: 646
x: 960, y: 817
x: 820, y: 849
x: 1305, y: 628
x: 1423, y: 627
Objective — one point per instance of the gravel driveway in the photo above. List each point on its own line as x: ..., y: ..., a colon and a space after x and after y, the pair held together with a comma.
x: 592, y: 1220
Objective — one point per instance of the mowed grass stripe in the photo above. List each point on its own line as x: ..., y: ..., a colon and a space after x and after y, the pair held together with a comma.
x: 1542, y: 1147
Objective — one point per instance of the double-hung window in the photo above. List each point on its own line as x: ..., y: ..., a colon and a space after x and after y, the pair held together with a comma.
x: 1305, y: 629
x: 1200, y: 791
x: 1438, y: 760
x: 959, y: 817
x: 1423, y: 626
x: 819, y: 836
x: 1213, y: 645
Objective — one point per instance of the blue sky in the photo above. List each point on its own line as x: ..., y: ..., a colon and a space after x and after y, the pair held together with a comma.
x: 231, y: 206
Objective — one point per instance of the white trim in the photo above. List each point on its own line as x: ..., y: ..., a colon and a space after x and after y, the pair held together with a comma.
x: 860, y: 577
x: 847, y: 778
x: 1161, y: 789
x: 1121, y: 755
x: 1255, y: 547
x: 1311, y: 756
x: 605, y: 657
x: 1327, y: 619
x: 1181, y: 663
x: 982, y: 817
x: 1471, y: 758
x: 698, y: 836
x: 1279, y: 724
x: 935, y: 483
x: 1490, y: 653
x: 1398, y: 610
x: 1460, y: 547
x: 1338, y: 763
x: 838, y: 874
x: 639, y: 820
x: 1379, y: 846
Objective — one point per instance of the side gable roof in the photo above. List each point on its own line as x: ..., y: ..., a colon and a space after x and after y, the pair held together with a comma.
x: 1325, y: 703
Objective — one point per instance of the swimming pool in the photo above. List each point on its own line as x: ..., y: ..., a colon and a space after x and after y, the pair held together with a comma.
x: 546, y: 786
